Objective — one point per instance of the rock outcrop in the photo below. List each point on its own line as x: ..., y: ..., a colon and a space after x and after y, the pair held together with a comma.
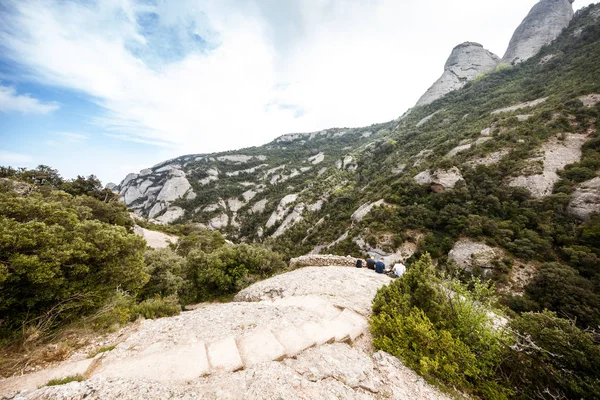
x: 322, y: 260
x: 467, y: 61
x: 440, y: 180
x: 156, y: 240
x: 543, y: 24
x: 556, y: 153
x: 468, y: 255
x: 586, y: 199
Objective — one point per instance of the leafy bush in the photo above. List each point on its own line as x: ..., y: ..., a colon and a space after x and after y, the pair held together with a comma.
x: 560, y: 288
x: 230, y: 268
x: 552, y: 358
x: 57, y: 262
x: 441, y: 329
x: 166, y: 271
x: 157, y: 307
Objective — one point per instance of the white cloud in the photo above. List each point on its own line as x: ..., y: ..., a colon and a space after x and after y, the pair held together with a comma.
x: 23, y: 103
x: 267, y: 67
x: 72, y: 137
x: 8, y: 158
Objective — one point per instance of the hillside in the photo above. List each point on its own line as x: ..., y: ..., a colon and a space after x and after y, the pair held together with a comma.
x: 320, y: 180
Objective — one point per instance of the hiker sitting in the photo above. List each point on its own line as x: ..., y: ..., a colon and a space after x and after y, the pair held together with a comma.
x: 370, y: 263
x: 380, y: 266
x: 399, y: 269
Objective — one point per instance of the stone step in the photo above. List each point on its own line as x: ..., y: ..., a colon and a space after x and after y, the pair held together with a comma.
x: 294, y: 340
x: 260, y: 346
x: 359, y: 323
x: 180, y: 363
x: 223, y: 355
x: 37, y: 379
x: 317, y: 333
x: 340, y: 328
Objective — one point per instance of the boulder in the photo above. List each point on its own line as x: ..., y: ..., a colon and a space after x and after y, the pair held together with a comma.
x: 585, y: 200
x: 174, y: 188
x: 543, y: 24
x: 467, y: 61
x: 440, y: 180
x: 172, y: 214
x: 469, y: 254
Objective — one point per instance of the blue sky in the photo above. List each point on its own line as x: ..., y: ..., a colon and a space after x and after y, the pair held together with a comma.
x: 113, y: 86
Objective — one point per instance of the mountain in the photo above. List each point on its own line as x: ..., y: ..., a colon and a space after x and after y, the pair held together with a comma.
x: 512, y: 142
x: 542, y: 25
x: 467, y: 61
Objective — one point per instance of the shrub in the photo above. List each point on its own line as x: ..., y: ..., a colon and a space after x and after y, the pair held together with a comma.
x: 230, y: 268
x: 64, y: 381
x: 57, y: 262
x: 158, y: 307
x: 166, y: 271
x: 441, y: 329
x: 560, y: 288
x: 553, y: 358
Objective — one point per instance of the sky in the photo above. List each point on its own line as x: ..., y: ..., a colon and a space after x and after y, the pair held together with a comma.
x: 110, y: 87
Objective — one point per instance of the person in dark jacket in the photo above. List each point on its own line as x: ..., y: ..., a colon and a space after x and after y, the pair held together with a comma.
x: 370, y: 263
x: 380, y: 266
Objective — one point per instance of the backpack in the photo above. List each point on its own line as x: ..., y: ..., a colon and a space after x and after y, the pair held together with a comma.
x: 359, y: 263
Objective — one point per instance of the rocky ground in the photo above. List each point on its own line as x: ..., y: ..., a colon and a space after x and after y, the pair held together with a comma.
x: 157, y: 360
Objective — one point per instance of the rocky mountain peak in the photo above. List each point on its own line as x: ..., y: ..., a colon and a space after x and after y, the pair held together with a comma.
x: 466, y: 62
x: 543, y: 24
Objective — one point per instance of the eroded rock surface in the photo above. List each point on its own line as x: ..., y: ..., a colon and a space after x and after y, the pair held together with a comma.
x: 586, y: 199
x: 469, y: 254
x: 556, y: 153
x: 543, y: 24
x: 156, y: 240
x: 440, y: 180
x: 466, y: 62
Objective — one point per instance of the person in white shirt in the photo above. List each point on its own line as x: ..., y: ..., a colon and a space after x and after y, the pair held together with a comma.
x: 399, y: 269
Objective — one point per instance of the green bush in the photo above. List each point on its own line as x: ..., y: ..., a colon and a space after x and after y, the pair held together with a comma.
x: 57, y: 262
x: 167, y: 274
x: 560, y: 288
x: 230, y: 268
x: 441, y: 329
x: 157, y: 307
x: 553, y: 359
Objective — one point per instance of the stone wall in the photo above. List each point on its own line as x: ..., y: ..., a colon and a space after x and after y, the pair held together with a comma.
x: 322, y: 260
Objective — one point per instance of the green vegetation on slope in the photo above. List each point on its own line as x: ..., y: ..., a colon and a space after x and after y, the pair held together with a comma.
x: 450, y: 334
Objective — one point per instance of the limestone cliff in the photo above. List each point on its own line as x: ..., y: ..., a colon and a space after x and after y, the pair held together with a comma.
x: 466, y: 62
x: 543, y: 24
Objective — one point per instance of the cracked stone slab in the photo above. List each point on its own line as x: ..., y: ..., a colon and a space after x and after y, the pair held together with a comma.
x: 223, y: 355
x: 260, y: 346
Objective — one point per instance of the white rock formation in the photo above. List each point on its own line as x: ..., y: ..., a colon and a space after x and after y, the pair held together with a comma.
x: 236, y: 158
x: 440, y: 180
x: 586, y: 199
x: 468, y: 255
x: 172, y: 214
x: 520, y: 106
x: 219, y: 222
x: 427, y: 119
x: 292, y: 219
x: 490, y: 159
x: 154, y: 239
x: 282, y: 209
x: 590, y: 100
x: 259, y: 206
x: 317, y: 159
x: 557, y: 152
x: 543, y: 24
x: 466, y: 62
x: 363, y: 210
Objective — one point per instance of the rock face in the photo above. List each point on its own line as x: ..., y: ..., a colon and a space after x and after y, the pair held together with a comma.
x: 543, y: 24
x: 322, y: 260
x: 466, y: 62
x: 556, y: 153
x: 585, y: 200
x: 156, y: 240
x: 440, y: 180
x: 469, y: 255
